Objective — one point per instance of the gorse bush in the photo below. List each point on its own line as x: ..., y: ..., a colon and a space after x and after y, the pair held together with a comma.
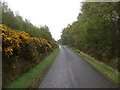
x: 18, y: 48
x: 23, y: 44
x: 14, y: 42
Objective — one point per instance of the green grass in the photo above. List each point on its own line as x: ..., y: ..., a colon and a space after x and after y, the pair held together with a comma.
x: 36, y: 72
x: 107, y: 71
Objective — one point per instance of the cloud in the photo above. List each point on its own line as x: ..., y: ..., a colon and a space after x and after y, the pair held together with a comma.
x: 56, y: 14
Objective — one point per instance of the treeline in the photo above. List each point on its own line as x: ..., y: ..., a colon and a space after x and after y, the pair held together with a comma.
x: 15, y: 21
x: 23, y: 45
x: 96, y: 31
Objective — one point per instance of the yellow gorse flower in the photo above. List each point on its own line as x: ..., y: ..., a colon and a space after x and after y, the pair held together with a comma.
x: 13, y: 66
x: 8, y: 51
x: 0, y: 48
x: 14, y: 40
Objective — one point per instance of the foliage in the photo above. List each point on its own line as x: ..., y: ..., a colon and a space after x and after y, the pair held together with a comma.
x: 15, y: 21
x: 19, y: 48
x: 96, y: 31
x: 36, y: 74
x: 23, y: 44
x: 107, y: 71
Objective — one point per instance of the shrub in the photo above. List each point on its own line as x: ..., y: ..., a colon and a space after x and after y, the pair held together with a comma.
x: 18, y: 48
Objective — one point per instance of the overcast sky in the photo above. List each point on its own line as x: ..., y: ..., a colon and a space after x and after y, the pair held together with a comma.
x: 56, y: 14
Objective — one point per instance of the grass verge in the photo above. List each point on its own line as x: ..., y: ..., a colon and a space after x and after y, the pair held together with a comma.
x: 36, y: 73
x: 107, y: 71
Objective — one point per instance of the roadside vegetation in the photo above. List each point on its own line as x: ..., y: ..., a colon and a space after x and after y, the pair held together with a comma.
x: 33, y: 78
x: 110, y: 73
x: 20, y: 53
x: 96, y: 32
x: 23, y: 46
x: 14, y: 21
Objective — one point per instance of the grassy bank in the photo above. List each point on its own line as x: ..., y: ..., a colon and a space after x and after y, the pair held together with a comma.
x: 21, y: 52
x: 36, y: 74
x: 107, y: 71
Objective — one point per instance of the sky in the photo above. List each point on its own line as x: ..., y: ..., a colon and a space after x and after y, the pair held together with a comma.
x: 56, y: 14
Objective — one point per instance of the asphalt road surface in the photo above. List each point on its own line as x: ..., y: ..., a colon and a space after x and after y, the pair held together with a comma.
x: 70, y: 71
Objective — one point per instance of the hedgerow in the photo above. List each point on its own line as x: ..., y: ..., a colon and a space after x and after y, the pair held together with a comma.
x: 21, y: 52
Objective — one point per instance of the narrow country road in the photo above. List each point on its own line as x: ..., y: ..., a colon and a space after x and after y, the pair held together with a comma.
x: 70, y: 71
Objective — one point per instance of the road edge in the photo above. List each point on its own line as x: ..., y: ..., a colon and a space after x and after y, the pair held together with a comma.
x: 33, y: 81
x: 106, y: 75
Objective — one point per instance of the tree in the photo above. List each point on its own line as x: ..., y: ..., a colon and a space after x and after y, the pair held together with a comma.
x: 96, y: 31
x: 16, y: 22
